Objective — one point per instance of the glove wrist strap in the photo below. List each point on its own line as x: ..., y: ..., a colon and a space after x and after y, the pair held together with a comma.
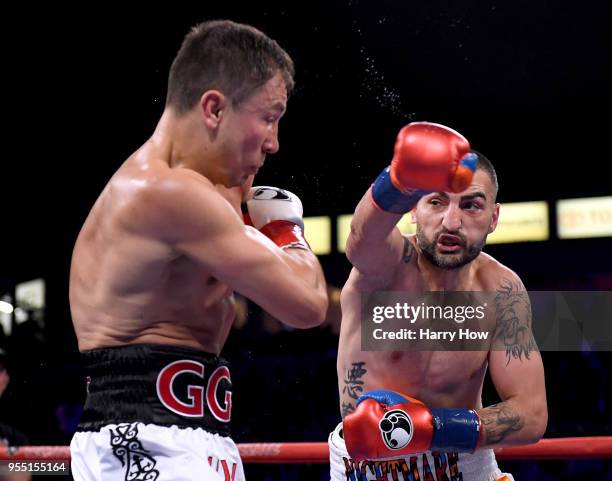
x: 455, y: 430
x: 386, y: 196
x: 285, y: 234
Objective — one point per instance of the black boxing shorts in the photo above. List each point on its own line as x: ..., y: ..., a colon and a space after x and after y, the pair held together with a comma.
x: 157, y: 384
x: 155, y: 413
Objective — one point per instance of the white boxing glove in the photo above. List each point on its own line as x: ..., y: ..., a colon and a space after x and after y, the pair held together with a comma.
x: 277, y: 213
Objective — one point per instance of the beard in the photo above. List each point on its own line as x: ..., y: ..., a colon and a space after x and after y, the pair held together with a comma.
x: 448, y: 261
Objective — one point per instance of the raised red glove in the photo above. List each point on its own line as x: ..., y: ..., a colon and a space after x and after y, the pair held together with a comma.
x: 427, y: 157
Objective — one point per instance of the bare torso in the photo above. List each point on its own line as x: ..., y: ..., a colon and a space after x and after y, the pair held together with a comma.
x: 127, y: 287
x: 438, y: 378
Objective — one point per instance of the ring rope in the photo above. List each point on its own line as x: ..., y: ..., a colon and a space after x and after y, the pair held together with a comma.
x: 594, y: 447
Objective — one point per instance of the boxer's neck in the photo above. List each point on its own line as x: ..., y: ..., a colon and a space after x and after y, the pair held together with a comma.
x: 184, y: 142
x: 440, y: 279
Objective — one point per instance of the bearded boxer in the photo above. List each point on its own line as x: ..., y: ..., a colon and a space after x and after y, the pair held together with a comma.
x: 163, y: 249
x: 420, y: 411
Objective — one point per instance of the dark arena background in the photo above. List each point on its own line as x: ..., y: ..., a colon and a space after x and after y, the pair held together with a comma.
x: 527, y: 82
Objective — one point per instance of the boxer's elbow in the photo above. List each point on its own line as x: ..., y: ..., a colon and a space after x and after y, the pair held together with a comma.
x: 310, y: 311
x: 322, y: 304
x: 308, y: 292
x: 535, y: 423
x: 540, y: 421
x: 315, y: 310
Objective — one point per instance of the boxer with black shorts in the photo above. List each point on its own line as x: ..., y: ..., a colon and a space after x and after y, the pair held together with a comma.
x: 163, y: 249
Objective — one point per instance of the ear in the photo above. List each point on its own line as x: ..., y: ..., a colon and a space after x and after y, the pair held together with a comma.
x: 495, y: 218
x: 413, y: 218
x: 212, y: 105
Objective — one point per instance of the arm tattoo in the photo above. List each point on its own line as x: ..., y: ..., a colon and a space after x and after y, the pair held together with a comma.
x: 498, y: 422
x: 347, y: 408
x: 353, y: 385
x: 408, y: 251
x: 514, y: 320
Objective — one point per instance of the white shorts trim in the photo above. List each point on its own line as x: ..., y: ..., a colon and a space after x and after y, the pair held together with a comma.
x: 137, y: 451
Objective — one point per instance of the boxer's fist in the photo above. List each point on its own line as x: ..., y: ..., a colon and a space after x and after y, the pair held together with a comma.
x: 432, y: 157
x: 427, y: 157
x: 277, y: 213
x: 267, y: 204
x: 386, y: 424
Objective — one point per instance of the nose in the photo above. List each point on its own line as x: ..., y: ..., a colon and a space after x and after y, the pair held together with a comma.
x: 271, y: 144
x: 452, y: 218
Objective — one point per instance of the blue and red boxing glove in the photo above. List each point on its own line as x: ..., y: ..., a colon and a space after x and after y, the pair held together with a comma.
x: 427, y: 157
x: 386, y: 424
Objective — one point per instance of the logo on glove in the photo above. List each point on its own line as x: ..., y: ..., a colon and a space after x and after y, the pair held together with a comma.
x: 268, y: 193
x: 396, y: 429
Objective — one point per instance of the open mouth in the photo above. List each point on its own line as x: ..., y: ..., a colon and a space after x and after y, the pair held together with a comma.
x: 449, y: 243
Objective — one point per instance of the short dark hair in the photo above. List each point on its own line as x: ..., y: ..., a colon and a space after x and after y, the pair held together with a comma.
x: 486, y: 165
x: 233, y: 58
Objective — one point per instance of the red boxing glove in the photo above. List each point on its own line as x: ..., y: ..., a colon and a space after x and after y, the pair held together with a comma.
x: 428, y: 156
x: 379, y: 430
x: 387, y: 424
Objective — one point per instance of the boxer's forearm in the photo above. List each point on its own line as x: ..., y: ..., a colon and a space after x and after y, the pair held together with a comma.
x: 373, y: 236
x: 512, y: 422
x: 308, y: 270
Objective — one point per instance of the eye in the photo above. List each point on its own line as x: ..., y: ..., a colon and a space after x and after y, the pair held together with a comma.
x: 435, y: 202
x: 472, y: 206
x: 271, y: 118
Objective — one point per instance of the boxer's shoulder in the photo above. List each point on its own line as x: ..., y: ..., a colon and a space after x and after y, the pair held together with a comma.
x: 410, y: 253
x: 149, y: 173
x: 168, y: 202
x: 495, y: 276
x: 184, y: 183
